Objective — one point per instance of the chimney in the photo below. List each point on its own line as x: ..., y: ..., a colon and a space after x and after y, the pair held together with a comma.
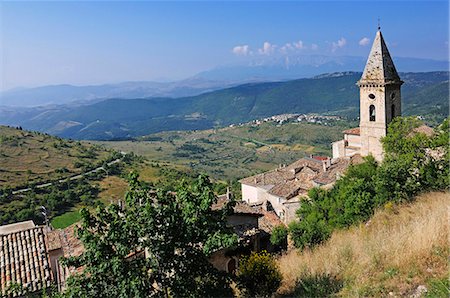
x: 326, y: 164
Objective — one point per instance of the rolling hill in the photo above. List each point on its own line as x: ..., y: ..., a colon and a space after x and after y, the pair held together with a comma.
x: 423, y: 93
x: 30, y: 157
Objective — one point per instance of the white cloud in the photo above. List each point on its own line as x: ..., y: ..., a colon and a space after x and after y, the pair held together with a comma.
x: 338, y: 44
x: 267, y: 48
x: 299, y: 45
x: 365, y: 41
x: 314, y: 47
x: 243, y: 50
x: 287, y: 47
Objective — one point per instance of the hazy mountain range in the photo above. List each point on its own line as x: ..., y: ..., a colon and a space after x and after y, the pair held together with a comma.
x: 288, y: 67
x: 65, y: 94
x: 118, y: 118
x: 277, y: 68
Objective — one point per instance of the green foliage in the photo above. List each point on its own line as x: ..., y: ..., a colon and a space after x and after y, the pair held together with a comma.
x: 176, y: 230
x: 438, y: 288
x: 57, y: 199
x: 413, y: 162
x: 279, y: 236
x: 318, y: 286
x: 258, y: 275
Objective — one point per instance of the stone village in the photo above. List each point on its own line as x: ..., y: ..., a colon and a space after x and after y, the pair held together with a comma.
x: 29, y: 254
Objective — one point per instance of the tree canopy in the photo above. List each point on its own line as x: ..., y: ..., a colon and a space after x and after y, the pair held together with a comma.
x: 156, y: 245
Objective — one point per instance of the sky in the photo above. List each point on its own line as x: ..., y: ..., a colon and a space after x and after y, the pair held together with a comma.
x: 81, y: 43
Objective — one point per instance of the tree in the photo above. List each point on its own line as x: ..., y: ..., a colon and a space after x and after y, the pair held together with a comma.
x: 413, y: 161
x: 279, y: 236
x: 175, y: 230
x: 258, y: 275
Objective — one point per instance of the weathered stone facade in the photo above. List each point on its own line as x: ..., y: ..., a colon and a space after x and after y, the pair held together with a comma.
x: 380, y: 102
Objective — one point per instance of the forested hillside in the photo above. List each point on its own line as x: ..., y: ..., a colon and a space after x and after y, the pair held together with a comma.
x: 423, y: 93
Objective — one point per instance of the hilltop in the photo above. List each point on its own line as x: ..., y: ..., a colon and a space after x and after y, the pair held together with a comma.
x: 42, y: 170
x: 30, y: 157
x: 118, y: 118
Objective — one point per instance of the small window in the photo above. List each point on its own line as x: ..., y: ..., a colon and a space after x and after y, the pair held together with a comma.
x: 392, y: 111
x: 392, y: 95
x: 372, y: 112
x: 371, y: 96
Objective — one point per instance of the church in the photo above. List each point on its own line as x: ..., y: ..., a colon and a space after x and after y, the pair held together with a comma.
x: 380, y: 102
x: 283, y: 189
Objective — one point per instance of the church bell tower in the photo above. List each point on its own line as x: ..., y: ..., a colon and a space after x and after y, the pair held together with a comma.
x: 380, y: 97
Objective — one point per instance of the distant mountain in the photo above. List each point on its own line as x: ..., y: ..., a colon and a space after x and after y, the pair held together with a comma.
x: 65, y: 94
x: 302, y: 66
x: 337, y: 93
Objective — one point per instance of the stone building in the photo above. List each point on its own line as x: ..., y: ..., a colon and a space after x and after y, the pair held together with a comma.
x: 252, y: 225
x: 29, y: 258
x: 282, y: 190
x: 380, y: 102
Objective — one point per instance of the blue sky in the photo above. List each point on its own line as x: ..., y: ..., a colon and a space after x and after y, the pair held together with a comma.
x: 105, y: 42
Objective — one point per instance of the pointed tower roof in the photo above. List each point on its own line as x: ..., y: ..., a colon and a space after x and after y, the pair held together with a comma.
x: 380, y: 68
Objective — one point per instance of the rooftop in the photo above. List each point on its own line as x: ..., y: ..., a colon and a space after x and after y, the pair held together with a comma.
x: 297, y: 178
x: 352, y: 131
x: 24, y: 259
x: 16, y: 227
x: 379, y: 68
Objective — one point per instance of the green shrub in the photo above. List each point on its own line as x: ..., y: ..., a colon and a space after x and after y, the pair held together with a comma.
x: 258, y: 275
x: 279, y: 236
x: 317, y: 286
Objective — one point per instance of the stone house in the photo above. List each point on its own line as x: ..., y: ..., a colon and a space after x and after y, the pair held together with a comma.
x: 282, y: 190
x: 253, y: 225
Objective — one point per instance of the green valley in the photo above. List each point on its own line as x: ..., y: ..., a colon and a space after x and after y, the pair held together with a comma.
x: 234, y: 152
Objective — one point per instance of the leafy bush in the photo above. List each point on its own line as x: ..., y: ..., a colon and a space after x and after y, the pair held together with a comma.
x: 258, y: 275
x: 279, y: 236
x: 318, y: 286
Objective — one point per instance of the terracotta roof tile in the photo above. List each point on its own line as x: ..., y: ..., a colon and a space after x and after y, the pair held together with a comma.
x: 300, y: 176
x: 353, y: 131
x: 24, y: 260
x: 269, y: 221
x: 428, y: 131
x: 241, y: 207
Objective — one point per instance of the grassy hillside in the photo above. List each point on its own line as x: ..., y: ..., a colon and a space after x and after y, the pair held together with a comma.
x: 399, y: 249
x: 124, y: 118
x: 29, y: 157
x: 234, y: 152
x: 39, y: 165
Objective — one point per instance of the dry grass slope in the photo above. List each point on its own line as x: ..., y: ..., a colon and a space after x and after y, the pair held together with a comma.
x: 30, y: 157
x: 400, y: 248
